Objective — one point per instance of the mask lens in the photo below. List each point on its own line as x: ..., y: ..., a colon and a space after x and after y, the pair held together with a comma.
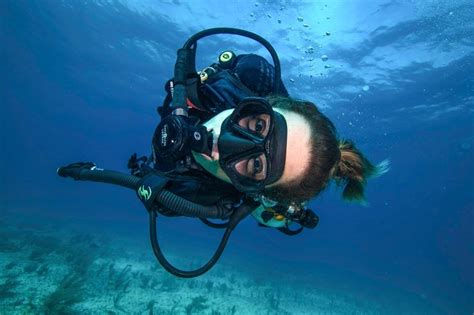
x: 254, y: 167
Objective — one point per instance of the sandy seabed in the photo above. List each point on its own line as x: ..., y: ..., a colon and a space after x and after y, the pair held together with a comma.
x: 47, y: 269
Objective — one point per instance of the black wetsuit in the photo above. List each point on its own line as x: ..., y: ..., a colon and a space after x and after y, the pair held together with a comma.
x: 251, y: 75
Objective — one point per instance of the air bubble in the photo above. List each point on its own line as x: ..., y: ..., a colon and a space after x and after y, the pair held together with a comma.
x: 309, y: 50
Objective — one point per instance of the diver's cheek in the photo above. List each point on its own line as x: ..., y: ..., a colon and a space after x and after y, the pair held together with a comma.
x: 211, y: 163
x: 215, y: 122
x: 211, y: 166
x: 215, y: 150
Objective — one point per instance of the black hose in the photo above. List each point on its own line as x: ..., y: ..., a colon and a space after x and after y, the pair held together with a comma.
x: 214, y: 225
x: 286, y: 230
x: 188, y: 208
x: 178, y: 272
x: 185, y: 65
x: 89, y: 172
x: 235, y: 31
x: 110, y: 177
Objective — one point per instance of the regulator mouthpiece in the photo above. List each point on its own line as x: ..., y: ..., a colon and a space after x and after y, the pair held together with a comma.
x: 175, y: 137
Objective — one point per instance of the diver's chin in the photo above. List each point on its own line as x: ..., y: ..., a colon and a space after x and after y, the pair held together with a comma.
x: 206, y: 157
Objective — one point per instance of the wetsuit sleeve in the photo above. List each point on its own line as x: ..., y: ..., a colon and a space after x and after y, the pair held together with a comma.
x: 256, y: 73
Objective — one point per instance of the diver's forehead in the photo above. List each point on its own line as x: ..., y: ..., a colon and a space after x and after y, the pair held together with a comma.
x: 297, y: 146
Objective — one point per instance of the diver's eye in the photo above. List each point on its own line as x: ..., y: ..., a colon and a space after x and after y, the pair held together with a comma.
x: 257, y: 166
x: 259, y: 124
x: 254, y: 167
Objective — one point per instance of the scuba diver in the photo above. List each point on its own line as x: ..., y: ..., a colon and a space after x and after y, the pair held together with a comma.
x: 232, y: 143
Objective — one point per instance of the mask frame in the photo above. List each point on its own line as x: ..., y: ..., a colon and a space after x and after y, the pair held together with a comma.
x: 237, y: 143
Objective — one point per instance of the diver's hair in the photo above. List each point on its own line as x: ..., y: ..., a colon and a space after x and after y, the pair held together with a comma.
x: 330, y: 158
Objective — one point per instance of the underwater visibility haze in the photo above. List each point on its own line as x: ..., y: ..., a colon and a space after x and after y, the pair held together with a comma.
x: 81, y: 81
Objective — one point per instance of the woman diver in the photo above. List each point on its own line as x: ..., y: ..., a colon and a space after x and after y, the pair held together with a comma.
x: 231, y: 142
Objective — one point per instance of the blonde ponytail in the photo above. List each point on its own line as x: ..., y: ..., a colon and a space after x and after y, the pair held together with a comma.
x: 353, y: 170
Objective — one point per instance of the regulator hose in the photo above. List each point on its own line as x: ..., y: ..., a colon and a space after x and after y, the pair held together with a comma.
x: 214, y: 225
x: 185, y: 66
x: 236, y: 31
x: 188, y: 208
x: 87, y: 171
x: 178, y: 272
x: 241, y: 212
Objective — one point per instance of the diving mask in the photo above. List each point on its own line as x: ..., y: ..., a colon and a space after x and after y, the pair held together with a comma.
x: 252, y: 145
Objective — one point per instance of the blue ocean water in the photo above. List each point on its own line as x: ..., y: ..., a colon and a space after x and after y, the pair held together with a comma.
x: 81, y: 81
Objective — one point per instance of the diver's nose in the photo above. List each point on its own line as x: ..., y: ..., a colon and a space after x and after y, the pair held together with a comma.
x: 229, y: 144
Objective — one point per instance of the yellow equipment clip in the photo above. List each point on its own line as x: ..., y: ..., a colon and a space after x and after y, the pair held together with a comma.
x: 226, y: 59
x: 204, y: 73
x: 278, y: 217
x: 225, y: 56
